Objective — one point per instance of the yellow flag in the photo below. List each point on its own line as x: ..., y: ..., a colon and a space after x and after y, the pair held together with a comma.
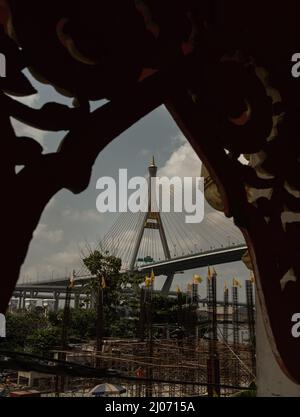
x: 152, y: 277
x: 197, y: 279
x: 147, y: 281
x: 209, y: 274
x: 178, y: 290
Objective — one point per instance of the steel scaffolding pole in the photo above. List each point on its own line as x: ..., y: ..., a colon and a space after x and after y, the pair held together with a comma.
x: 236, y: 335
x: 251, y: 322
x: 213, y: 364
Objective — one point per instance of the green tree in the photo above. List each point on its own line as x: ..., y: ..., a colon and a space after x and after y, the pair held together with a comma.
x: 19, y: 326
x: 104, y: 287
x: 82, y: 325
x: 164, y: 309
x: 116, y: 295
x: 106, y: 276
x: 41, y: 341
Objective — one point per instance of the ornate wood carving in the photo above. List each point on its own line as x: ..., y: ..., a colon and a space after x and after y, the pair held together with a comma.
x: 223, y: 70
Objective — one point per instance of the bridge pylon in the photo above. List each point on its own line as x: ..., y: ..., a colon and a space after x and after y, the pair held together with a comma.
x: 152, y: 220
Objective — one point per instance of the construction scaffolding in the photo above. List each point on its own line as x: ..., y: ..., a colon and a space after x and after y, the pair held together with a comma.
x: 175, y: 368
x: 201, y: 355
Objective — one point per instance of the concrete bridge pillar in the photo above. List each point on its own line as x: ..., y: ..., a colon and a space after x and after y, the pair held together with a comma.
x: 20, y: 300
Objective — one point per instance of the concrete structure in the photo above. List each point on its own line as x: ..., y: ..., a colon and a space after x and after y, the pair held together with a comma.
x: 30, y: 304
x: 35, y: 379
x: 198, y: 260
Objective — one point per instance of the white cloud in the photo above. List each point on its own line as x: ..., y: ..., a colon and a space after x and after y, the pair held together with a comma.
x: 68, y: 258
x: 87, y: 215
x: 64, y: 259
x: 56, y: 264
x: 43, y: 233
x: 183, y: 162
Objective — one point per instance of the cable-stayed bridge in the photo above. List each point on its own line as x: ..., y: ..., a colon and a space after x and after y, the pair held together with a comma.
x: 162, y: 242
x: 165, y: 243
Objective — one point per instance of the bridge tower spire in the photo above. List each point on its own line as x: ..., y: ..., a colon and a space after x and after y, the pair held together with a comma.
x: 152, y: 220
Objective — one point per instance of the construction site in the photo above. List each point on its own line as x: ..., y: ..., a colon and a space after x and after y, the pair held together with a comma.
x: 214, y: 358
x: 187, y: 366
x: 209, y: 351
x: 205, y: 346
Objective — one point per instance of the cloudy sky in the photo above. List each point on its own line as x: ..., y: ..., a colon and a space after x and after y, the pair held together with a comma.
x: 71, y: 222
